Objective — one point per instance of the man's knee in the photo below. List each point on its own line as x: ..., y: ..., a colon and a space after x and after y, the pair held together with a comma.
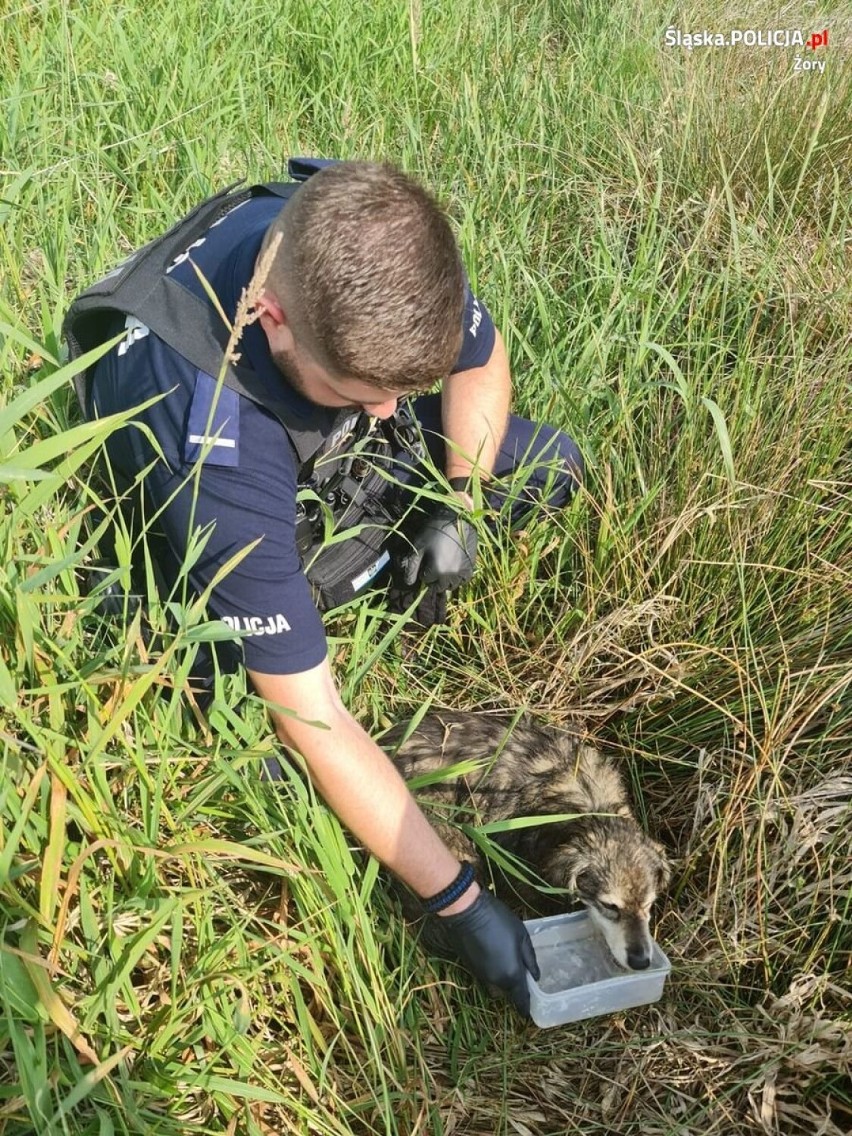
x: 548, y: 468
x: 569, y: 466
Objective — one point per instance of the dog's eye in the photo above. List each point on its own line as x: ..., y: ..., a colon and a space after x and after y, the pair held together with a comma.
x: 610, y: 910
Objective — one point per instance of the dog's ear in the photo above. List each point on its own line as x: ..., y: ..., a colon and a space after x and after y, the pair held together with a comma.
x: 572, y: 864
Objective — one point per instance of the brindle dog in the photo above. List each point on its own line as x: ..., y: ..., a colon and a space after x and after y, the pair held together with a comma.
x: 525, y: 769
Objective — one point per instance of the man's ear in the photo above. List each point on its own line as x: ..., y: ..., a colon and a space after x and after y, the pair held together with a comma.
x: 269, y: 307
x: 273, y: 319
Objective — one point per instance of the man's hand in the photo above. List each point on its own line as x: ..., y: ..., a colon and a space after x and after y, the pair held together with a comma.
x: 427, y: 608
x: 495, y: 946
x: 443, y: 552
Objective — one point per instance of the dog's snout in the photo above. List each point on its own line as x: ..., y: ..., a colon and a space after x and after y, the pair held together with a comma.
x: 638, y: 960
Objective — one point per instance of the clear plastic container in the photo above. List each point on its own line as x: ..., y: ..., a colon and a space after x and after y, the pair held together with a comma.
x: 580, y: 978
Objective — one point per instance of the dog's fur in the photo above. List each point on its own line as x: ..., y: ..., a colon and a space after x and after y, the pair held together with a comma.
x: 602, y: 857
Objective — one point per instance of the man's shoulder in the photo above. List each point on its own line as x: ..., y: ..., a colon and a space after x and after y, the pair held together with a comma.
x: 193, y: 415
x: 244, y: 224
x: 478, y: 333
x: 142, y: 364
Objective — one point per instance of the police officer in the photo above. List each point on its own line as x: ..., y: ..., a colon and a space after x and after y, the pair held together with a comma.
x: 362, y: 303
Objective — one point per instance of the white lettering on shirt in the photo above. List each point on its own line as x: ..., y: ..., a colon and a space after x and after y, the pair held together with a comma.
x: 477, y: 318
x: 135, y: 332
x: 182, y: 256
x: 341, y: 432
x: 258, y: 624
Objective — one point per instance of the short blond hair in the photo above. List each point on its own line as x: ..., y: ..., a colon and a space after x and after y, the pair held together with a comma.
x: 369, y: 267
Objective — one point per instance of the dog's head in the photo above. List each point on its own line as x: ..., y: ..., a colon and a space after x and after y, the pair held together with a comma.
x: 617, y: 871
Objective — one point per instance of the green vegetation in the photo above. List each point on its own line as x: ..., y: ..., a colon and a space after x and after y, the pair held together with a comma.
x: 664, y: 237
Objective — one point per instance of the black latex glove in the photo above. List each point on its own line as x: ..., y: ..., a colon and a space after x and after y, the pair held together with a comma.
x: 442, y: 553
x: 494, y: 945
x: 431, y: 609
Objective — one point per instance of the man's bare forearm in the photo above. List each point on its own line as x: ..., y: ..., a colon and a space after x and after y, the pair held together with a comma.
x: 362, y: 786
x: 475, y: 412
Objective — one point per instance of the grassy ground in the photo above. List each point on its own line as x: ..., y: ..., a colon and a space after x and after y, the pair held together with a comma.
x: 664, y: 237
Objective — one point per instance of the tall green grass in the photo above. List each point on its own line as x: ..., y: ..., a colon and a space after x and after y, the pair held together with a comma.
x: 664, y: 239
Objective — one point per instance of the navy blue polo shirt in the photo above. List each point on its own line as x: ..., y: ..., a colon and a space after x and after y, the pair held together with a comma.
x: 223, y: 472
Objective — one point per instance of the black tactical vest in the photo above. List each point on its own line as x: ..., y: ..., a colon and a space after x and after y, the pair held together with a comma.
x: 343, y: 482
